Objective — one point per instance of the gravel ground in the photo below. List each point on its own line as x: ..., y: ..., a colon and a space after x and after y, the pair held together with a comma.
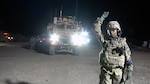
x: 24, y: 66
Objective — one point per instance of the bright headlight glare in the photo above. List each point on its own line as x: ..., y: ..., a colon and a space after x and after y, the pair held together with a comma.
x: 54, y: 37
x: 85, y: 33
x: 80, y: 39
x: 77, y: 40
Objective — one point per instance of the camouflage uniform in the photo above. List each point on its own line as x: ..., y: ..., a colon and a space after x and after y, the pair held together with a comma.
x: 115, y: 55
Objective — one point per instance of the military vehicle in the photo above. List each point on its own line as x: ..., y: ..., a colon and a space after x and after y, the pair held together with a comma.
x: 6, y: 36
x: 66, y: 34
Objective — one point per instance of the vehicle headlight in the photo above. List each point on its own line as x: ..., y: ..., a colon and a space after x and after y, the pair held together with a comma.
x: 85, y: 37
x: 85, y: 33
x: 86, y: 40
x: 54, y: 37
x: 77, y: 39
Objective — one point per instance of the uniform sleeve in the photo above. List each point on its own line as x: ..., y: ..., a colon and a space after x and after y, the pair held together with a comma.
x: 128, y: 52
x: 97, y: 29
x: 97, y: 26
x: 100, y: 37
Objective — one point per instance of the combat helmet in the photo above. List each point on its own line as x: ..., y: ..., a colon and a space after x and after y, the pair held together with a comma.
x: 112, y: 25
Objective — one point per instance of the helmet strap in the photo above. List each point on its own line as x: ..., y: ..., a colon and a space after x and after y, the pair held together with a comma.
x: 119, y: 33
x: 108, y: 32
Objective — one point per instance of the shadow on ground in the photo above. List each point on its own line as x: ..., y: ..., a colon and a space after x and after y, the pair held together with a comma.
x: 44, y: 50
x: 26, y: 46
x: 8, y: 81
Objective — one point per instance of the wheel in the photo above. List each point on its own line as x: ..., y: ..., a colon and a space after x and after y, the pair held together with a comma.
x: 36, y: 47
x: 52, y: 50
x: 32, y: 46
x: 76, y: 51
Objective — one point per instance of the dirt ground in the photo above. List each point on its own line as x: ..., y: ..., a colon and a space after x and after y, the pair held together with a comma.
x: 24, y: 66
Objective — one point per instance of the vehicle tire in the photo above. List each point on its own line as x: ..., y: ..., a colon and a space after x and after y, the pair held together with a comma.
x: 76, y: 51
x: 32, y: 46
x: 52, y: 50
x: 36, y: 48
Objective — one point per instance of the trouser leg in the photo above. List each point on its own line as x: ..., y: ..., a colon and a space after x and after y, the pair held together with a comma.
x: 117, y: 76
x: 105, y: 78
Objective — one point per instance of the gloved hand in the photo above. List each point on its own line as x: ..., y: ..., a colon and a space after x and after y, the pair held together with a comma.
x: 129, y: 75
x: 105, y: 14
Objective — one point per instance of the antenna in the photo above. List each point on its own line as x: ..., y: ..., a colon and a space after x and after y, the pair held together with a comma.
x: 51, y: 15
x: 76, y: 11
x: 56, y: 12
x: 61, y: 11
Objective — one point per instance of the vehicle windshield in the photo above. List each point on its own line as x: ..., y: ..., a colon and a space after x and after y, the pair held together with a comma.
x: 61, y: 26
x: 70, y: 27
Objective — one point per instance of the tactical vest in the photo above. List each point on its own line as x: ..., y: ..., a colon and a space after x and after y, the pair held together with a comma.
x: 111, y: 58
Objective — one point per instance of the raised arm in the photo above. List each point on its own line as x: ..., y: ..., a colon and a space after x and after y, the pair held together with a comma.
x: 97, y: 26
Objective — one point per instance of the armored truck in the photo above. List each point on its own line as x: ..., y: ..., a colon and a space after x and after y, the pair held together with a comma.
x: 66, y: 34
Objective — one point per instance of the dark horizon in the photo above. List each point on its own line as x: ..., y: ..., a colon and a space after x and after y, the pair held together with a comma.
x: 32, y: 16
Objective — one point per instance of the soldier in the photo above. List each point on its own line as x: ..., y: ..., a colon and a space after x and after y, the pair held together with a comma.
x: 32, y: 42
x: 115, y: 57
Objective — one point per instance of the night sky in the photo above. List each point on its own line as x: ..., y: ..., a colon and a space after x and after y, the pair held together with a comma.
x: 30, y: 17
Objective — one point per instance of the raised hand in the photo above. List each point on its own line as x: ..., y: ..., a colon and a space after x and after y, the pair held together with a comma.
x: 105, y: 14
